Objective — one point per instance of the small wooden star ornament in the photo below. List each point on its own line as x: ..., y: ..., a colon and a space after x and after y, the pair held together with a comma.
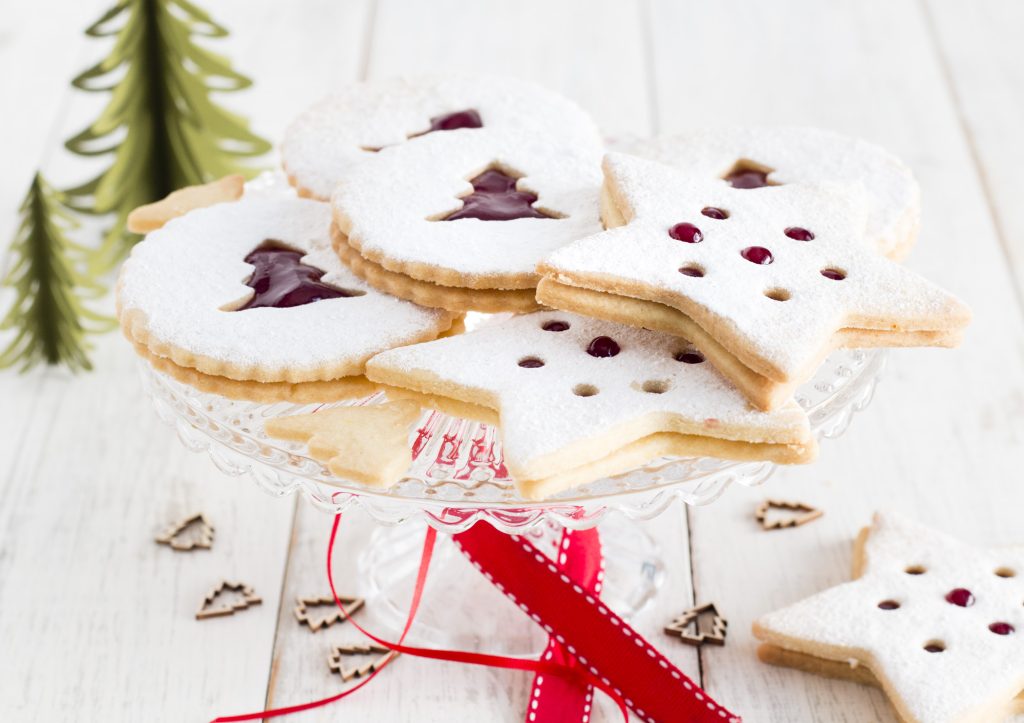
x: 713, y: 632
x: 246, y: 598
x: 804, y: 513
x: 340, y: 652
x: 190, y: 533
x: 303, y: 605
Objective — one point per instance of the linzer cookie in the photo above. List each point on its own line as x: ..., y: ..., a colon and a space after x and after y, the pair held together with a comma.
x: 765, y: 284
x: 460, y: 221
x: 756, y: 157
x: 248, y: 299
x: 362, y: 119
x: 578, y: 398
x: 939, y: 625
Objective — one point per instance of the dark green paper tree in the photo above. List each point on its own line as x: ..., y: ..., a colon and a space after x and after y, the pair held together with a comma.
x: 161, y: 127
x: 48, y: 317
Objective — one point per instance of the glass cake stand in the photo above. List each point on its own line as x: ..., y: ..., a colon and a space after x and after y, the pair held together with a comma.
x: 458, y: 478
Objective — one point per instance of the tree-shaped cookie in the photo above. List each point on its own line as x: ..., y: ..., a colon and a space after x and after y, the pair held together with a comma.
x: 765, y: 283
x: 939, y: 624
x: 366, y: 444
x: 579, y: 398
x: 161, y: 125
x: 48, y: 318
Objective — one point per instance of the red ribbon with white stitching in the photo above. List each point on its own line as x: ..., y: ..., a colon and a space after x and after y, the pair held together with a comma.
x: 599, y: 640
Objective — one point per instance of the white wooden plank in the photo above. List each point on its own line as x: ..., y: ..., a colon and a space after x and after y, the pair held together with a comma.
x: 978, y: 45
x: 943, y: 438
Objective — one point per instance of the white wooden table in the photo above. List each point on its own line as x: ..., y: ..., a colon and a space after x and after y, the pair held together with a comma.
x: 96, y: 621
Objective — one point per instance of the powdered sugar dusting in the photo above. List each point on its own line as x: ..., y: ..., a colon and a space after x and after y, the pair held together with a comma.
x: 328, y: 138
x: 977, y: 669
x: 186, y: 276
x: 804, y: 155
x: 735, y: 296
x: 390, y: 203
x: 541, y: 409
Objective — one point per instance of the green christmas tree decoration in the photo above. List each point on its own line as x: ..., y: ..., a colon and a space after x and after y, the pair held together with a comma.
x: 160, y: 127
x: 48, y: 317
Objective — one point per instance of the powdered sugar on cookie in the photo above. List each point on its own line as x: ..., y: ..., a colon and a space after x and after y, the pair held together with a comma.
x: 939, y: 623
x: 803, y: 155
x: 351, y: 125
x: 183, y: 291
x: 771, y: 275
x: 395, y: 210
x: 566, y: 385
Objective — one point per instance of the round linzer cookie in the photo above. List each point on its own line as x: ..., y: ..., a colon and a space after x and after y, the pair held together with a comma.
x: 248, y: 299
x: 754, y: 157
x: 469, y: 215
x: 360, y: 120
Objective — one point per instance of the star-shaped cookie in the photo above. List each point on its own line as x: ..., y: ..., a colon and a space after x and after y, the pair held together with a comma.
x: 937, y: 623
x: 579, y: 398
x: 765, y: 282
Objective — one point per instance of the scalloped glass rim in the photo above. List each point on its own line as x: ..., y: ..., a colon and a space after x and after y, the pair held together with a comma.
x: 457, y: 477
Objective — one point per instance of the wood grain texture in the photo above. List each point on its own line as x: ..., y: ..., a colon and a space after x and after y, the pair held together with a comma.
x: 943, y: 438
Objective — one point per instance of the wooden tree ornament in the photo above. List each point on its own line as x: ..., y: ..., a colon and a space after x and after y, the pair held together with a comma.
x: 190, y: 533
x: 161, y: 127
x: 804, y: 513
x: 247, y: 598
x: 304, y: 604
x: 340, y: 652
x: 713, y: 632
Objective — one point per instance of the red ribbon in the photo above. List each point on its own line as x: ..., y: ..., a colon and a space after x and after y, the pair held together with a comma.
x: 628, y: 669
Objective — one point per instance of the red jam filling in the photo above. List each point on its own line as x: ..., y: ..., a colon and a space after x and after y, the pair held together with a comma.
x: 757, y: 255
x: 556, y: 326
x: 834, y: 274
x: 603, y: 346
x: 281, y: 280
x: 531, y: 362
x: 691, y: 271
x: 1001, y: 628
x: 468, y: 118
x: 495, y: 198
x: 716, y: 213
x: 889, y: 605
x: 799, y: 234
x: 747, y: 178
x: 961, y: 597
x: 687, y: 233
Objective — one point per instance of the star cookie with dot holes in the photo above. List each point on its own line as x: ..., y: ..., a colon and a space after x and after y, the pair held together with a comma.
x: 765, y: 283
x: 939, y: 624
x: 578, y: 398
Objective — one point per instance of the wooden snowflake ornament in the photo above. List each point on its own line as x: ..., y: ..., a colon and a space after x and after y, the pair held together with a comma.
x: 713, y: 630
x: 939, y: 624
x: 305, y: 605
x: 804, y: 513
x: 765, y: 282
x: 190, y: 533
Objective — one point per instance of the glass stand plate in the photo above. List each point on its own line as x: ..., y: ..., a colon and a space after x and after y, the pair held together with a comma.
x: 458, y: 476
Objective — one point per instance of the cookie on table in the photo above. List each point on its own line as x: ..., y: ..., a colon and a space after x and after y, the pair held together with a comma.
x: 765, y: 284
x: 578, y: 398
x: 937, y: 624
x: 360, y: 120
x: 756, y: 157
x: 460, y: 220
x: 247, y: 299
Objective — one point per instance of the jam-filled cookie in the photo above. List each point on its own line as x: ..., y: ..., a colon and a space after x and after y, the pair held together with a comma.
x: 578, y: 398
x: 248, y: 299
x: 936, y: 623
x: 470, y: 214
x: 756, y: 157
x: 362, y: 119
x: 765, y: 284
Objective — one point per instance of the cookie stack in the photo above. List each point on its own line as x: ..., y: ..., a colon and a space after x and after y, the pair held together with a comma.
x: 687, y: 285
